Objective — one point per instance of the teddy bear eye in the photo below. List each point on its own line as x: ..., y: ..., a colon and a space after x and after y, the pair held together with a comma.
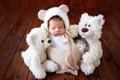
x: 85, y: 24
x: 42, y: 41
x: 89, y: 25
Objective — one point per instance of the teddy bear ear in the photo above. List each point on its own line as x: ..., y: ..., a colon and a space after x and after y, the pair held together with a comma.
x: 64, y: 8
x: 84, y: 16
x: 41, y: 14
x: 30, y: 39
x: 100, y: 19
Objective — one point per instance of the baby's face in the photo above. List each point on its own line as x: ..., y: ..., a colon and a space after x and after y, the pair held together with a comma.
x: 56, y: 27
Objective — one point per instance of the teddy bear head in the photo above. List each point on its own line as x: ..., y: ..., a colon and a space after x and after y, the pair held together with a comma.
x: 38, y: 38
x: 60, y: 11
x: 91, y: 26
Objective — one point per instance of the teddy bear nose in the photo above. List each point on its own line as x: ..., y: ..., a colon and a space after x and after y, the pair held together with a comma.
x: 84, y: 29
x: 49, y: 41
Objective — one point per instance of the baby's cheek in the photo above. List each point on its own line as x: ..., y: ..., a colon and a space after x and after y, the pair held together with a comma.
x: 51, y: 31
x: 64, y: 32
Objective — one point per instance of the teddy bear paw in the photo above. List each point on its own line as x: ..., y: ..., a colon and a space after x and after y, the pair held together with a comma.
x: 87, y: 68
x: 40, y: 74
x: 53, y: 67
x: 50, y: 66
x: 87, y: 58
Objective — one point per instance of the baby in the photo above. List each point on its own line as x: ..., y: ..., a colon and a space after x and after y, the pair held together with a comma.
x: 63, y: 50
x: 62, y: 47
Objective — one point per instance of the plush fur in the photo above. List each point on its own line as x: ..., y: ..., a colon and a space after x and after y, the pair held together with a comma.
x: 90, y: 28
x: 35, y: 56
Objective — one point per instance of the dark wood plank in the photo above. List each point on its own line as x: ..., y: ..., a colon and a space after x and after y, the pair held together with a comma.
x: 112, y: 42
x: 21, y: 72
x: 114, y: 23
x: 34, y: 3
x: 82, y: 76
x: 8, y: 24
x: 10, y: 45
x: 4, y: 13
x: 13, y: 72
x: 108, y: 69
x: 16, y: 23
x: 31, y: 77
x: 62, y: 76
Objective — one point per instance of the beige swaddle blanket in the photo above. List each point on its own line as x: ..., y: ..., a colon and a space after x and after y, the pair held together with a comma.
x: 67, y: 60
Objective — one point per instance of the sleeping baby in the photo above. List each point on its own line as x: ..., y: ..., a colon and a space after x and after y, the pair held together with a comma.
x: 63, y: 51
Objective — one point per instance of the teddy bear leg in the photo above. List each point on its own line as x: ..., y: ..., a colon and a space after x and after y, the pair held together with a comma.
x: 37, y: 69
x: 26, y: 58
x: 50, y: 66
x: 87, y: 68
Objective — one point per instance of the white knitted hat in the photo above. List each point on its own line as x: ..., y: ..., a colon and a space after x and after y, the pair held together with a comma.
x: 60, y: 11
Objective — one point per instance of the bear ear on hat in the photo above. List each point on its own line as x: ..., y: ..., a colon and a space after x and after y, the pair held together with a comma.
x: 41, y: 14
x: 64, y: 8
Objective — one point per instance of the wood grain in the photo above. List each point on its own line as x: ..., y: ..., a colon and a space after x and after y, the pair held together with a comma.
x: 18, y: 17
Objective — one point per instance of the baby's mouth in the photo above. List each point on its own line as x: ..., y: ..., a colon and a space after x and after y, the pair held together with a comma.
x: 57, y: 34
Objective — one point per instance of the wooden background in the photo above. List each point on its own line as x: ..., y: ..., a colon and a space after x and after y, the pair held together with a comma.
x: 18, y: 17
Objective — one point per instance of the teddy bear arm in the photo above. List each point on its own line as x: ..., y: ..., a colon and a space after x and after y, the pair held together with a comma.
x: 73, y: 30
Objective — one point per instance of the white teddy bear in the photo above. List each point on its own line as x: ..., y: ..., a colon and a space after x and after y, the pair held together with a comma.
x: 90, y: 29
x: 87, y: 34
x: 35, y: 56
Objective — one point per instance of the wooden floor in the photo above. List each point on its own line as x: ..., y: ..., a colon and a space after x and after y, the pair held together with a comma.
x: 15, y: 23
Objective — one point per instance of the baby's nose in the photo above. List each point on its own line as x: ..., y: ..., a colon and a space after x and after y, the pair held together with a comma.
x: 57, y: 29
